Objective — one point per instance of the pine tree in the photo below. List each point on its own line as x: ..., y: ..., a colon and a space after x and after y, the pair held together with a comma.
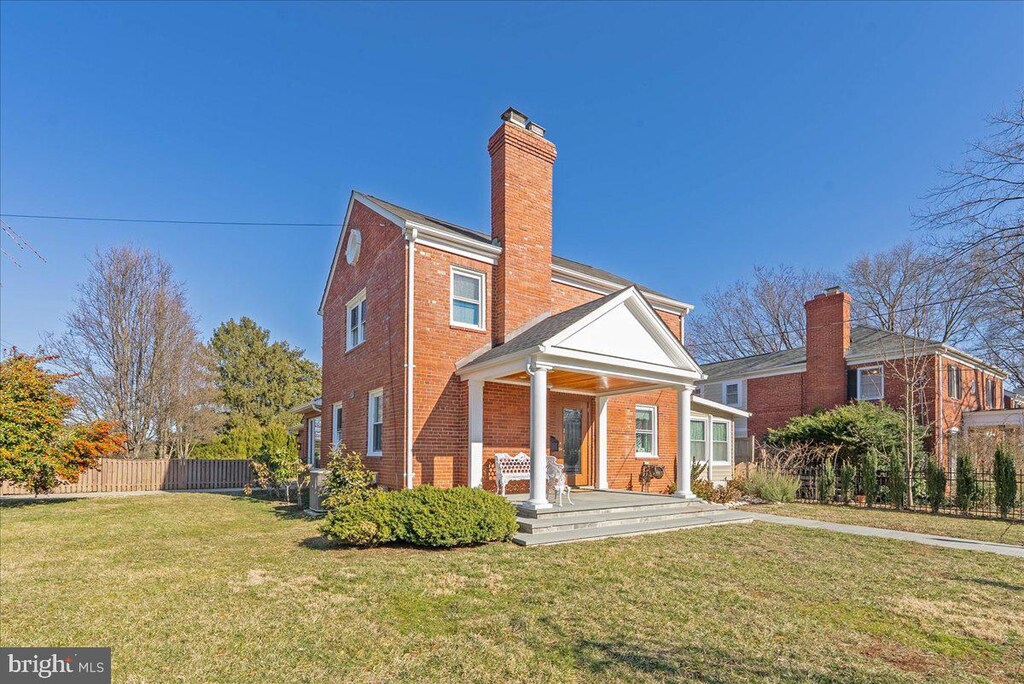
x: 1005, y: 476
x: 896, y: 485
x: 968, y: 490
x: 935, y: 484
x: 869, y: 477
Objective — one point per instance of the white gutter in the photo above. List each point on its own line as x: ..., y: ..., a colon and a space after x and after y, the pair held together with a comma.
x: 410, y: 251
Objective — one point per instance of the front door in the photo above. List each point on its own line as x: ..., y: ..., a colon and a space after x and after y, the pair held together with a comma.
x: 570, y: 419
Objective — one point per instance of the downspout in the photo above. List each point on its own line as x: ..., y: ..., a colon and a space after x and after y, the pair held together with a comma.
x: 940, y: 433
x: 410, y: 289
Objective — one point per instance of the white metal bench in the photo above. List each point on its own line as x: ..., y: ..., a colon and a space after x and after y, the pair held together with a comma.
x: 511, y: 468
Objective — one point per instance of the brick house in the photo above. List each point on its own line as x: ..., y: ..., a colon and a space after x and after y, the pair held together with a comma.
x: 444, y: 345
x: 842, y: 362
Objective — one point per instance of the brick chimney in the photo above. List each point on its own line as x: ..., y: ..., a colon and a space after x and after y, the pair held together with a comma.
x: 828, y: 338
x: 522, y: 160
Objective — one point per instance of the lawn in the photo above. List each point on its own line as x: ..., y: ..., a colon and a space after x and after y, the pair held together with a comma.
x: 925, y: 523
x: 203, y: 587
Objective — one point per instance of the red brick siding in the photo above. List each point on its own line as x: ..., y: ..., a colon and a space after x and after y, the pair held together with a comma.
x: 348, y: 377
x: 774, y: 400
x: 828, y: 337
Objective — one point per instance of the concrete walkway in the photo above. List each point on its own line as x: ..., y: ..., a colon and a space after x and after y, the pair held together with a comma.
x: 929, y: 539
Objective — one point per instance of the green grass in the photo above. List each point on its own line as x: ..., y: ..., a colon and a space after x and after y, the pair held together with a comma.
x: 925, y: 523
x: 194, y: 587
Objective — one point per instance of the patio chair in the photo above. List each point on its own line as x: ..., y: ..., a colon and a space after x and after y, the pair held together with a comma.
x: 556, y: 479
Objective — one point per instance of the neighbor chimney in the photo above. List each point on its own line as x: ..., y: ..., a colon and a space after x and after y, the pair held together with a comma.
x: 828, y: 338
x: 522, y: 161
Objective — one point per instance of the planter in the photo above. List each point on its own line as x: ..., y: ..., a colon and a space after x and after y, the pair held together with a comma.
x: 860, y: 498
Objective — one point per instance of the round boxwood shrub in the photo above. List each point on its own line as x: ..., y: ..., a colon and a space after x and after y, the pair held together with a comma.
x: 424, y: 516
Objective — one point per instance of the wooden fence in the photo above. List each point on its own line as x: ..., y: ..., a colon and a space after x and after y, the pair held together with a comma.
x: 146, y: 475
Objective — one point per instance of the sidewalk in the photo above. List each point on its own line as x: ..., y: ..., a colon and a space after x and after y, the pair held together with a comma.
x: 929, y: 539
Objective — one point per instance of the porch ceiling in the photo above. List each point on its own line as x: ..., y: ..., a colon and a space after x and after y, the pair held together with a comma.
x: 573, y: 381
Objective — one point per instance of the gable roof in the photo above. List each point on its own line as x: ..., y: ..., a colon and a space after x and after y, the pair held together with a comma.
x: 866, y: 343
x: 484, y: 240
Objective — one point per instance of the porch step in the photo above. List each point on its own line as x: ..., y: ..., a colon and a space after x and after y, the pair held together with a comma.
x: 643, y: 503
x: 647, y: 524
x: 576, y: 520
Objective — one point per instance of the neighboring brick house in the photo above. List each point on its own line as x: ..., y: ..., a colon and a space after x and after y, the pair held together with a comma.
x: 842, y: 363
x: 443, y: 345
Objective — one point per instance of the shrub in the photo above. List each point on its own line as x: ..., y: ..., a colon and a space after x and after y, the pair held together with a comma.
x: 968, y: 491
x: 772, y: 486
x: 1005, y: 475
x: 280, y: 469
x: 424, y: 516
x: 847, y: 475
x: 827, y: 483
x: 732, y: 490
x: 935, y: 484
x: 869, y: 477
x: 853, y: 428
x: 896, y: 484
x: 348, y: 481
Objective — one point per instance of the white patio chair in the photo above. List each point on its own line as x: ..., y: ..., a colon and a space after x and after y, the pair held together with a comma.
x: 556, y: 479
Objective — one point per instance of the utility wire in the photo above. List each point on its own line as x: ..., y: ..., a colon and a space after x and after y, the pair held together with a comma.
x: 170, y: 221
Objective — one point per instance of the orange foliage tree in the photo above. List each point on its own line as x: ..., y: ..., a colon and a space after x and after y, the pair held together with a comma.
x: 39, y: 446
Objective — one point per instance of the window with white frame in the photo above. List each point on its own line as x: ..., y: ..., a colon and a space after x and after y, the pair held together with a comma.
x: 698, y: 441
x: 312, y: 440
x: 355, y: 330
x: 646, y: 431
x: 719, y: 442
x: 467, y: 288
x: 375, y: 423
x: 954, y: 382
x: 732, y: 394
x: 990, y: 394
x: 336, y: 423
x: 870, y: 383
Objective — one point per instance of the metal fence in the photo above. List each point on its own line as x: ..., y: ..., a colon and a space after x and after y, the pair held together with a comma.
x: 985, y: 508
x: 140, y: 475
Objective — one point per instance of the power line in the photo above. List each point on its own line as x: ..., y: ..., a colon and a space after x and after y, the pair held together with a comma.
x: 106, y: 219
x: 19, y: 241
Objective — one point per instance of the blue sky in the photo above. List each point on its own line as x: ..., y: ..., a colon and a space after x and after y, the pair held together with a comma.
x: 695, y: 140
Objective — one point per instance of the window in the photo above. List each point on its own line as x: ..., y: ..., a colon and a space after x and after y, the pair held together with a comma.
x: 336, y: 423
x: 312, y: 440
x: 698, y: 441
x: 870, y: 383
x: 355, y: 334
x: 467, y: 298
x: 990, y: 394
x: 719, y: 442
x: 647, y: 432
x: 954, y: 384
x: 375, y: 423
x: 732, y: 394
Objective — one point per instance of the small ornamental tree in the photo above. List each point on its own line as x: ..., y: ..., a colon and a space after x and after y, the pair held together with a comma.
x: 348, y: 481
x: 39, y: 447
x: 827, y: 483
x: 896, y: 484
x: 935, y: 484
x: 280, y: 469
x: 847, y: 475
x: 869, y: 477
x: 1005, y: 474
x: 968, y: 489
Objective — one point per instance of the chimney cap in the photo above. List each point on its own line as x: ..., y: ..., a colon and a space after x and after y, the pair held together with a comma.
x: 535, y: 127
x: 835, y: 289
x: 515, y: 116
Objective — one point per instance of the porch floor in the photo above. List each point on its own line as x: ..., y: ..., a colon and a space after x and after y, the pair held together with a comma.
x: 596, y: 514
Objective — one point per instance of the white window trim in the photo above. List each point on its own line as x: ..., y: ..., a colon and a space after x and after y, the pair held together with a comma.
x: 712, y: 442
x: 482, y: 277
x: 352, y: 303
x: 654, y: 430
x: 739, y: 394
x: 959, y: 381
x: 311, y: 450
x: 707, y: 440
x: 860, y: 394
x: 379, y: 392
x: 336, y: 432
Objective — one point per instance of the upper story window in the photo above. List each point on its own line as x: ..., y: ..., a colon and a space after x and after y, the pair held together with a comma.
x: 870, y: 383
x: 719, y: 442
x: 336, y: 423
x: 732, y: 394
x: 467, y: 290
x: 355, y: 330
x: 375, y: 423
x: 991, y: 398
x: 646, y: 431
x: 954, y: 383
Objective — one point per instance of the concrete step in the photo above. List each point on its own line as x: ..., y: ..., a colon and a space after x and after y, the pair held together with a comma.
x: 661, y: 503
x: 617, y: 516
x: 630, y: 528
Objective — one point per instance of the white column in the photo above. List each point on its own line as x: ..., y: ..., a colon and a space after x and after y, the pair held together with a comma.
x: 602, y: 442
x: 683, y: 459
x: 538, y: 439
x: 476, y: 433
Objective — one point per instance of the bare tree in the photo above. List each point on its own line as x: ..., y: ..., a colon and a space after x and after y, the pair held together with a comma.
x: 192, y: 413
x: 762, y: 315
x: 130, y: 337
